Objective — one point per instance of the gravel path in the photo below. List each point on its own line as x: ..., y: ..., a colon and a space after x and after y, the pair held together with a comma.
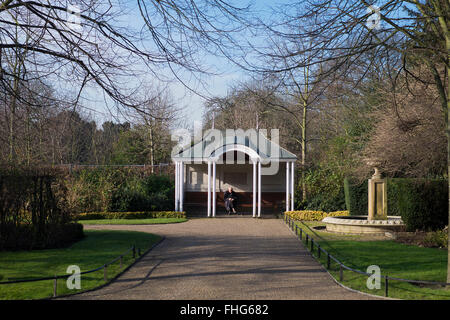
x: 223, y: 259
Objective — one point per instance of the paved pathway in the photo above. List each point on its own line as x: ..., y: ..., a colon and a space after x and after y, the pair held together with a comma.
x: 240, y: 258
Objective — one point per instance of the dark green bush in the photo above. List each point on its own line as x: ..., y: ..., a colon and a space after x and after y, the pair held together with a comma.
x: 356, y: 197
x: 327, y: 203
x: 33, y: 209
x: 324, y: 191
x: 422, y: 203
x: 27, y: 237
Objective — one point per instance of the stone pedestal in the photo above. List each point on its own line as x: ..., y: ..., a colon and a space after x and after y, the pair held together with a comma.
x: 377, y: 199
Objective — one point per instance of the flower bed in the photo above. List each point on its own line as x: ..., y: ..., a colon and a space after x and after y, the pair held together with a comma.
x: 310, y: 215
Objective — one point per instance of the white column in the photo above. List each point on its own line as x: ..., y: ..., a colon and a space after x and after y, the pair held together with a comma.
x: 288, y: 187
x: 214, y: 191
x: 254, y: 189
x: 181, y: 185
x: 259, y: 189
x: 209, y: 188
x: 176, y: 186
x: 292, y: 185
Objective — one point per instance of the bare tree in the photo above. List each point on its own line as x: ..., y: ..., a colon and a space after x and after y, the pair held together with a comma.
x: 409, y: 136
x: 154, y: 121
x: 92, y: 42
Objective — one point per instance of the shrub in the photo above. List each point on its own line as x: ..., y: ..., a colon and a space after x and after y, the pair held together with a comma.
x: 422, y: 203
x: 310, y: 215
x: 356, y: 197
x: 326, y: 202
x: 436, y: 239
x: 120, y: 189
x: 324, y: 191
x: 130, y: 215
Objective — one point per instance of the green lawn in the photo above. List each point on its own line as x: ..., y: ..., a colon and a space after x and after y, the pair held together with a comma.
x: 96, y: 249
x: 134, y: 221
x: 394, y: 259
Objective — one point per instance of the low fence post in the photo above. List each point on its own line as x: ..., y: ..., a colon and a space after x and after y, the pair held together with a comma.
x: 312, y: 245
x: 307, y: 238
x: 341, y: 272
x: 301, y: 234
x: 318, y: 251
x: 55, y: 286
x: 386, y: 286
x: 134, y: 252
x: 328, y: 260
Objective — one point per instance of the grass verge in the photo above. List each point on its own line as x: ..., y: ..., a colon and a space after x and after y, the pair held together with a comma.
x: 134, y: 221
x: 96, y: 249
x: 394, y: 259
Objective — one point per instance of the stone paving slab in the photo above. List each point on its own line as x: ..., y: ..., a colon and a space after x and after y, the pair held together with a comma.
x: 217, y: 258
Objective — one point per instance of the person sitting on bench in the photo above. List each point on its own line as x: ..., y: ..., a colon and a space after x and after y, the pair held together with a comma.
x: 230, y: 199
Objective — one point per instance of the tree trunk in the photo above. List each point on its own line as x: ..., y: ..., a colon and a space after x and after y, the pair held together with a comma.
x: 448, y: 158
x: 28, y: 137
x: 11, y: 131
x: 152, y: 161
x: 12, y: 154
x: 305, y: 109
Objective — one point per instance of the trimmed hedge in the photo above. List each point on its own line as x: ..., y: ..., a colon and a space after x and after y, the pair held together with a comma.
x: 130, y: 215
x: 356, y: 197
x: 34, y: 213
x: 310, y: 215
x: 27, y: 237
x: 422, y: 203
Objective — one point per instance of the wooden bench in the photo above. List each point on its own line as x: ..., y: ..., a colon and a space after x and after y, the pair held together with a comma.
x: 245, y: 199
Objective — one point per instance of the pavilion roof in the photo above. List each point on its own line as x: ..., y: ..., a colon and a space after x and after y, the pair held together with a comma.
x: 217, y: 142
